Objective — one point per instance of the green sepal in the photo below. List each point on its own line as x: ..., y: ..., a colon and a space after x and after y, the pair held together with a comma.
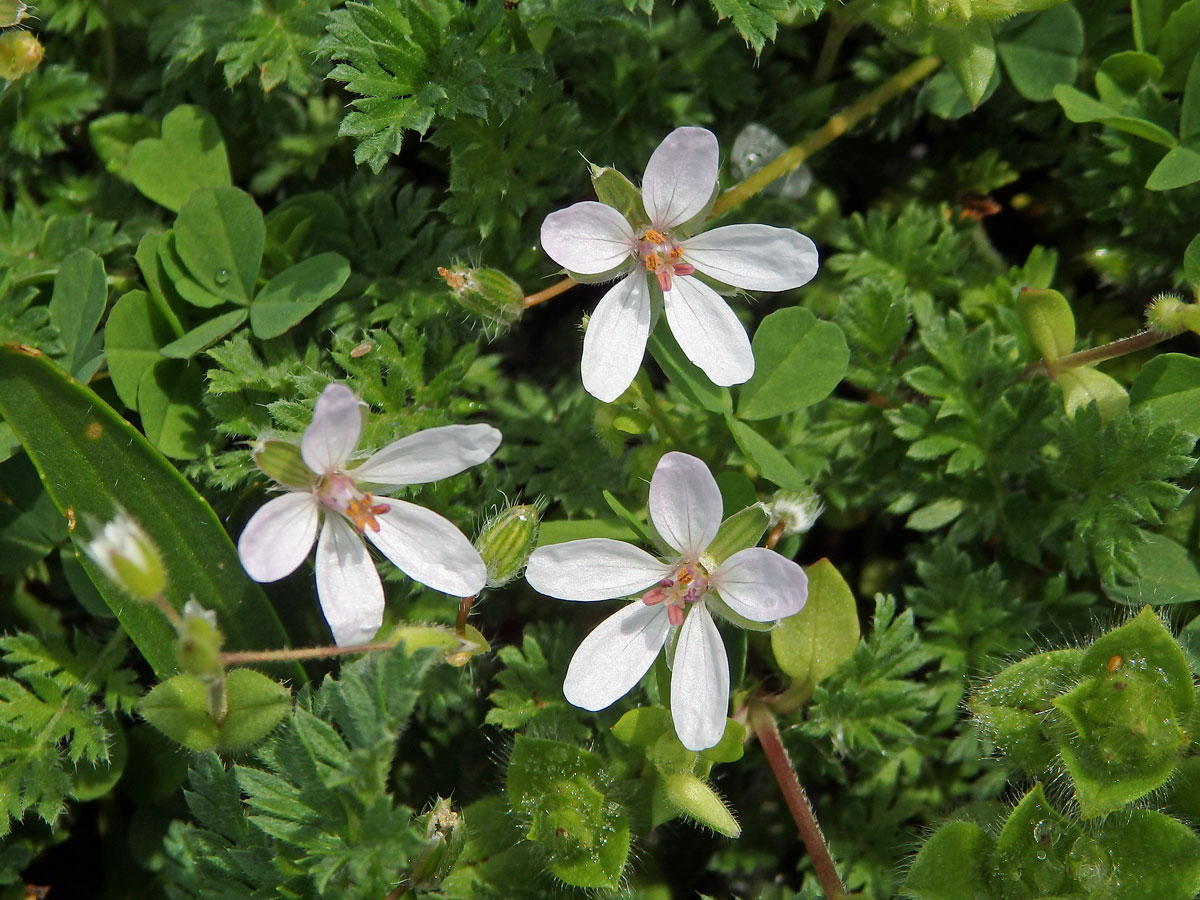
x: 256, y: 705
x: 811, y: 644
x: 1083, y: 385
x: 1034, y: 846
x: 283, y: 462
x: 643, y: 726
x: 694, y: 798
x: 739, y: 531
x: 455, y: 649
x: 1015, y: 708
x: 560, y: 792
x: 615, y: 190
x: 952, y: 865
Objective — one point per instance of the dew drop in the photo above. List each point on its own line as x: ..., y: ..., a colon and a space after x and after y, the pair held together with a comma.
x: 756, y: 146
x: 222, y: 277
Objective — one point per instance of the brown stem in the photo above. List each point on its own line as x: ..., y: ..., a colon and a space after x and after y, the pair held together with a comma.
x: 260, y: 656
x: 464, y: 610
x: 793, y: 794
x: 397, y: 892
x: 775, y: 535
x: 169, y: 611
x: 551, y: 292
x: 865, y: 106
x: 1111, y: 350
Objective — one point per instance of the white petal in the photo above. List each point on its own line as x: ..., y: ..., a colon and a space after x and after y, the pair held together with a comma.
x: 615, y: 341
x: 588, y: 238
x: 761, y: 585
x: 347, y: 584
x: 755, y: 257
x: 428, y: 549
x: 429, y: 455
x: 593, y: 569
x: 614, y: 657
x: 699, y: 682
x: 708, y: 332
x: 278, y: 537
x: 336, y: 427
x: 685, y: 503
x: 680, y: 176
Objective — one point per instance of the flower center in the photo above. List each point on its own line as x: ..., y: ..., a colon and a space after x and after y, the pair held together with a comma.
x: 662, y: 257
x: 339, y: 492
x: 685, y: 585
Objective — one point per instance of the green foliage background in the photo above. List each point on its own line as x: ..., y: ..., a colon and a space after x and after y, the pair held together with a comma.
x: 211, y: 209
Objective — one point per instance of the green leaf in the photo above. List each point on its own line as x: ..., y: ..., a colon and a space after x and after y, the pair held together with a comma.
x: 1048, y: 853
x: 204, y: 335
x: 91, y: 461
x: 815, y: 641
x: 557, y: 532
x: 1166, y: 573
x: 771, y: 464
x: 178, y: 277
x: 798, y: 361
x: 755, y: 20
x: 952, y: 865
x: 1079, y: 107
x: 1083, y: 385
x: 1148, y: 18
x: 1154, y: 857
x: 1043, y: 52
x: 642, y: 726
x: 684, y: 375
x: 1123, y: 74
x: 80, y: 295
x: 639, y: 527
x: 1178, y: 44
x: 933, y: 516
x: 169, y: 395
x: 135, y: 330
x: 1191, y: 262
x: 1152, y: 652
x: 178, y: 708
x: 1180, y: 167
x: 189, y: 155
x: 114, y: 135
x: 219, y: 235
x: 969, y: 53
x: 256, y: 705
x: 1189, y: 104
x: 1047, y: 317
x: 295, y: 292
x: 1168, y: 388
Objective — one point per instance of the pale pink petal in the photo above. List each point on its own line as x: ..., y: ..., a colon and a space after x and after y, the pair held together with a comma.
x: 685, y: 503
x: 347, y: 584
x: 755, y: 257
x: 614, y: 657
x: 680, y: 177
x: 699, y: 682
x: 708, y: 332
x: 336, y: 426
x: 588, y: 238
x: 429, y: 549
x: 278, y: 537
x: 615, y: 341
x: 593, y: 569
x: 761, y: 585
x: 429, y: 455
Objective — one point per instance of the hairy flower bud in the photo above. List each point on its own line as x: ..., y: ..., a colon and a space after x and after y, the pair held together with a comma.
x: 20, y: 54
x: 1170, y: 315
x: 445, y: 837
x: 199, y: 647
x: 487, y: 293
x: 506, y: 540
x: 13, y: 12
x: 125, y: 553
x: 797, y: 510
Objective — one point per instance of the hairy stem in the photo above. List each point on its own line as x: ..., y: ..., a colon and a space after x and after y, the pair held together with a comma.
x: 838, y: 125
x: 464, y: 610
x: 551, y: 292
x: 767, y: 732
x: 298, y: 653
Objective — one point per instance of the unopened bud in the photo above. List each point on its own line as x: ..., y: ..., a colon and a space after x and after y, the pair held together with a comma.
x: 282, y: 461
x: 199, y: 647
x: 506, y: 540
x: 445, y: 837
x: 125, y: 553
x: 12, y: 12
x: 20, y: 54
x: 699, y: 802
x: 797, y: 510
x: 1170, y: 315
x: 487, y: 293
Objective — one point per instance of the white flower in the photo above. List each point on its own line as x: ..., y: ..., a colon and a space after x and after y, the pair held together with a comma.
x: 595, y: 242
x: 422, y: 544
x: 759, y: 584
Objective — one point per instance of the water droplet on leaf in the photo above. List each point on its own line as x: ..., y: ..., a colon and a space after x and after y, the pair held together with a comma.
x: 222, y: 277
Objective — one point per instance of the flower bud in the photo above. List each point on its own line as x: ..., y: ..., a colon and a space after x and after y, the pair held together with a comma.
x: 282, y: 461
x: 12, y: 12
x: 506, y: 540
x: 128, y: 557
x: 1170, y: 315
x: 445, y: 837
x: 20, y: 54
x: 487, y: 293
x: 199, y: 647
x: 797, y: 510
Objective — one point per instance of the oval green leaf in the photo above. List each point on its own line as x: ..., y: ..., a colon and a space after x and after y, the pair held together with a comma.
x: 798, y: 361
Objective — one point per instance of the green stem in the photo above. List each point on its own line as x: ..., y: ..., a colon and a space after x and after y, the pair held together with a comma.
x: 217, y: 700
x: 1112, y: 350
x: 838, y: 125
x: 839, y: 27
x: 242, y: 657
x: 767, y: 732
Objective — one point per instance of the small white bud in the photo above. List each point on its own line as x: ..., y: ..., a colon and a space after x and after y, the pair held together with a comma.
x: 797, y: 510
